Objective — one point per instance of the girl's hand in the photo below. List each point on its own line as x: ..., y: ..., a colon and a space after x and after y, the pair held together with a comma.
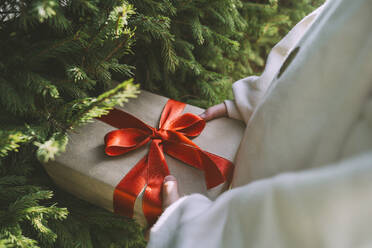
x: 214, y: 112
x: 170, y: 195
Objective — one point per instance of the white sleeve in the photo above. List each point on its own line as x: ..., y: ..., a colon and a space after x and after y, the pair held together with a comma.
x: 328, y: 207
x: 249, y: 91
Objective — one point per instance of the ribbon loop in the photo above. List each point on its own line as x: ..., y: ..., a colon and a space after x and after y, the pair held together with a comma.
x: 188, y: 124
x: 172, y: 137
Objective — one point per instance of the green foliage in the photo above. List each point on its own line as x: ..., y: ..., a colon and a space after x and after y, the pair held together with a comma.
x: 11, y: 140
x: 21, y: 207
x: 194, y: 50
x: 59, y: 66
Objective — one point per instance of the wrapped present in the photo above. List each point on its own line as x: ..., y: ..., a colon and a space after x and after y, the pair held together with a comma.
x: 119, y: 161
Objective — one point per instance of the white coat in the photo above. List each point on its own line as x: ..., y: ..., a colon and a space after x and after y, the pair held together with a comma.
x: 304, y: 168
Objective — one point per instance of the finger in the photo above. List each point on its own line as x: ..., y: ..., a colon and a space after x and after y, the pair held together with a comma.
x: 209, y: 113
x: 215, y: 111
x: 203, y: 115
x: 170, y: 191
x: 206, y: 115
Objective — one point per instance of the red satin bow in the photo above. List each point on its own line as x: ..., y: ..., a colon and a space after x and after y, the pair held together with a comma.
x: 172, y: 137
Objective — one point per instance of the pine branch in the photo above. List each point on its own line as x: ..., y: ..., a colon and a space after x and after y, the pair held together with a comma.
x: 11, y: 141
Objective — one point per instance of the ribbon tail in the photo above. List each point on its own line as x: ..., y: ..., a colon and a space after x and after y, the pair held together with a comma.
x: 121, y: 119
x: 128, y: 189
x: 225, y: 166
x: 157, y: 170
x: 216, y: 169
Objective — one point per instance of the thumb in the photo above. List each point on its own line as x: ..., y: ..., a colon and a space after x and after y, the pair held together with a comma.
x: 203, y: 115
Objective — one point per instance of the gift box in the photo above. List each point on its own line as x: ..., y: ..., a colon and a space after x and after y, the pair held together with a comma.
x: 118, y: 162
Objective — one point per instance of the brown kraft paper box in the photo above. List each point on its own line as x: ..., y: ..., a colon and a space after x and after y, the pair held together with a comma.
x: 87, y: 172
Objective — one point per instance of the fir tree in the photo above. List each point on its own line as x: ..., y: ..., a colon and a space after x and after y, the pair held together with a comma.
x: 181, y: 47
x: 194, y: 50
x: 58, y: 68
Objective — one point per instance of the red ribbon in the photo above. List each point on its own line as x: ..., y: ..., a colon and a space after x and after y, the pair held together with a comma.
x: 173, y: 138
